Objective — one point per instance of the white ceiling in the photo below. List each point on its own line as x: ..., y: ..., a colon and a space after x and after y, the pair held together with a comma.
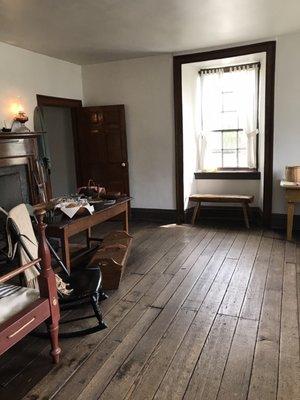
x: 91, y: 31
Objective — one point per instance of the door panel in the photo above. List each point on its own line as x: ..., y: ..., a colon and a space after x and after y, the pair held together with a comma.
x: 102, y: 147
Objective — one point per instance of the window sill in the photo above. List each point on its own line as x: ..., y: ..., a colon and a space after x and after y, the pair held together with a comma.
x: 250, y: 175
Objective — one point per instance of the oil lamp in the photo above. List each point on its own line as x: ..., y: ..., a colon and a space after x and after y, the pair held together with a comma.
x: 20, y: 117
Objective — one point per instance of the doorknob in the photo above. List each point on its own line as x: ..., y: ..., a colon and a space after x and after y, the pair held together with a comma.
x: 123, y: 164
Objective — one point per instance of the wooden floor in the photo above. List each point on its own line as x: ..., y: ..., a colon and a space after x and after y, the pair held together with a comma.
x: 202, y: 313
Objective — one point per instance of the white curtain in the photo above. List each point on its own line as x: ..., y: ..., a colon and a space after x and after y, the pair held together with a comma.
x: 245, y: 81
x: 210, y: 101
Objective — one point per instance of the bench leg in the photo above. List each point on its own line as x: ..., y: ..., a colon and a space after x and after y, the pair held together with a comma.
x: 246, y: 214
x: 196, y: 212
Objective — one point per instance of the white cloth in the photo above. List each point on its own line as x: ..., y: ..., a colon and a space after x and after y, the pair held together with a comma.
x: 246, y: 88
x: 71, y: 211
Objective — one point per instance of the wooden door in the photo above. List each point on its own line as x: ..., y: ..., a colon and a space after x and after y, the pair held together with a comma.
x: 101, y: 147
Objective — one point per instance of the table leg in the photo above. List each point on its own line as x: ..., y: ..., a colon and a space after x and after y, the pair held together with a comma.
x: 290, y: 219
x: 88, y: 234
x: 125, y: 220
x: 65, y: 250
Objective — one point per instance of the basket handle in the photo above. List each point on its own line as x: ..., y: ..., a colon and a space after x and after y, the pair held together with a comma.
x: 91, y: 182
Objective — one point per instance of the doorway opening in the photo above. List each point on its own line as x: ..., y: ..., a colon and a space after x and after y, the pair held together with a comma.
x: 224, y: 106
x: 60, y: 120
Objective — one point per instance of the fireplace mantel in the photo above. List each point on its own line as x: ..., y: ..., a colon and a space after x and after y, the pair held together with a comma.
x: 13, y: 135
x: 18, y: 155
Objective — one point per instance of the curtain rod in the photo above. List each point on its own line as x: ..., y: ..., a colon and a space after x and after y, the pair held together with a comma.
x: 229, y: 67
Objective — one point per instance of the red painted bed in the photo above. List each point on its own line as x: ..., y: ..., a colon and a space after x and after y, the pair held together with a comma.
x: 43, y: 309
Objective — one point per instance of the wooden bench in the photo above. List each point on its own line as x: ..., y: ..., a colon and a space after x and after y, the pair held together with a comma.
x: 221, y: 198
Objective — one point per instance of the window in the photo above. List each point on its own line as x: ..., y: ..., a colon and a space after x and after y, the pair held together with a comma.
x: 229, y: 115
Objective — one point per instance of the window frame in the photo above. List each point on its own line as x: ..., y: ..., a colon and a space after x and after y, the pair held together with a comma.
x: 269, y: 48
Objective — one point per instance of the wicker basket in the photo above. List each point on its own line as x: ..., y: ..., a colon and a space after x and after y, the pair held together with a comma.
x: 292, y: 174
x: 112, y: 258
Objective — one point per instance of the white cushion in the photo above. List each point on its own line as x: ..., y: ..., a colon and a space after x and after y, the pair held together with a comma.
x: 14, y: 299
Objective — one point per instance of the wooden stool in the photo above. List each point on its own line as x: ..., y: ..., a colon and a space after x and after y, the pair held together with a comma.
x: 222, y: 198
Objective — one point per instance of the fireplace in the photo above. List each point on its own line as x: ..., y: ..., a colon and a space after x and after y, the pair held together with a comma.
x: 18, y: 153
x: 14, y: 186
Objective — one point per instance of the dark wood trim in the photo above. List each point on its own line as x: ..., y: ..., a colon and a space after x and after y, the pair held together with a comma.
x: 49, y: 101
x: 153, y: 214
x: 250, y: 175
x: 269, y: 133
x: 178, y: 138
x: 266, y: 47
x: 224, y: 53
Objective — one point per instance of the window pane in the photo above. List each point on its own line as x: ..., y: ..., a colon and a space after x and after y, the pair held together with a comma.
x: 214, y: 141
x: 213, y: 155
x: 228, y: 82
x: 229, y: 120
x: 229, y: 102
x: 213, y: 160
x: 230, y: 140
x: 230, y: 159
x: 243, y: 159
x: 242, y: 140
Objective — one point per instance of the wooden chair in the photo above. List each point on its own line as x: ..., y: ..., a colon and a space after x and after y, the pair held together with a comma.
x: 44, y: 309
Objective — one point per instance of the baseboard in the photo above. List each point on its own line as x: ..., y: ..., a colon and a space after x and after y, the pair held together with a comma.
x: 213, y: 213
x: 225, y: 213
x: 279, y: 221
x: 153, y: 214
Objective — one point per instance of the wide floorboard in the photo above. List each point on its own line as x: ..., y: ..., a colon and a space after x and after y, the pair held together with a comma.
x: 202, y: 313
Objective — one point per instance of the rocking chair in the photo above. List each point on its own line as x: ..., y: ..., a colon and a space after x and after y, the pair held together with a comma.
x: 81, y: 286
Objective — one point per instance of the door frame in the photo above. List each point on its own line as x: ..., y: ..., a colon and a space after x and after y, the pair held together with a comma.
x: 73, y: 105
x: 265, y: 47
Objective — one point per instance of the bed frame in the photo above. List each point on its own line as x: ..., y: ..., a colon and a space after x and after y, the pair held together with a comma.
x: 44, y: 309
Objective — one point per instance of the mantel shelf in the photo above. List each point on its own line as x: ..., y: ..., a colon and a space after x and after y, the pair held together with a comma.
x: 14, y: 135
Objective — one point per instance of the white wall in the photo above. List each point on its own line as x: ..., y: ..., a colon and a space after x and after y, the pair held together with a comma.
x: 261, y: 122
x: 145, y: 86
x: 189, y: 115
x: 24, y: 74
x: 287, y: 113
